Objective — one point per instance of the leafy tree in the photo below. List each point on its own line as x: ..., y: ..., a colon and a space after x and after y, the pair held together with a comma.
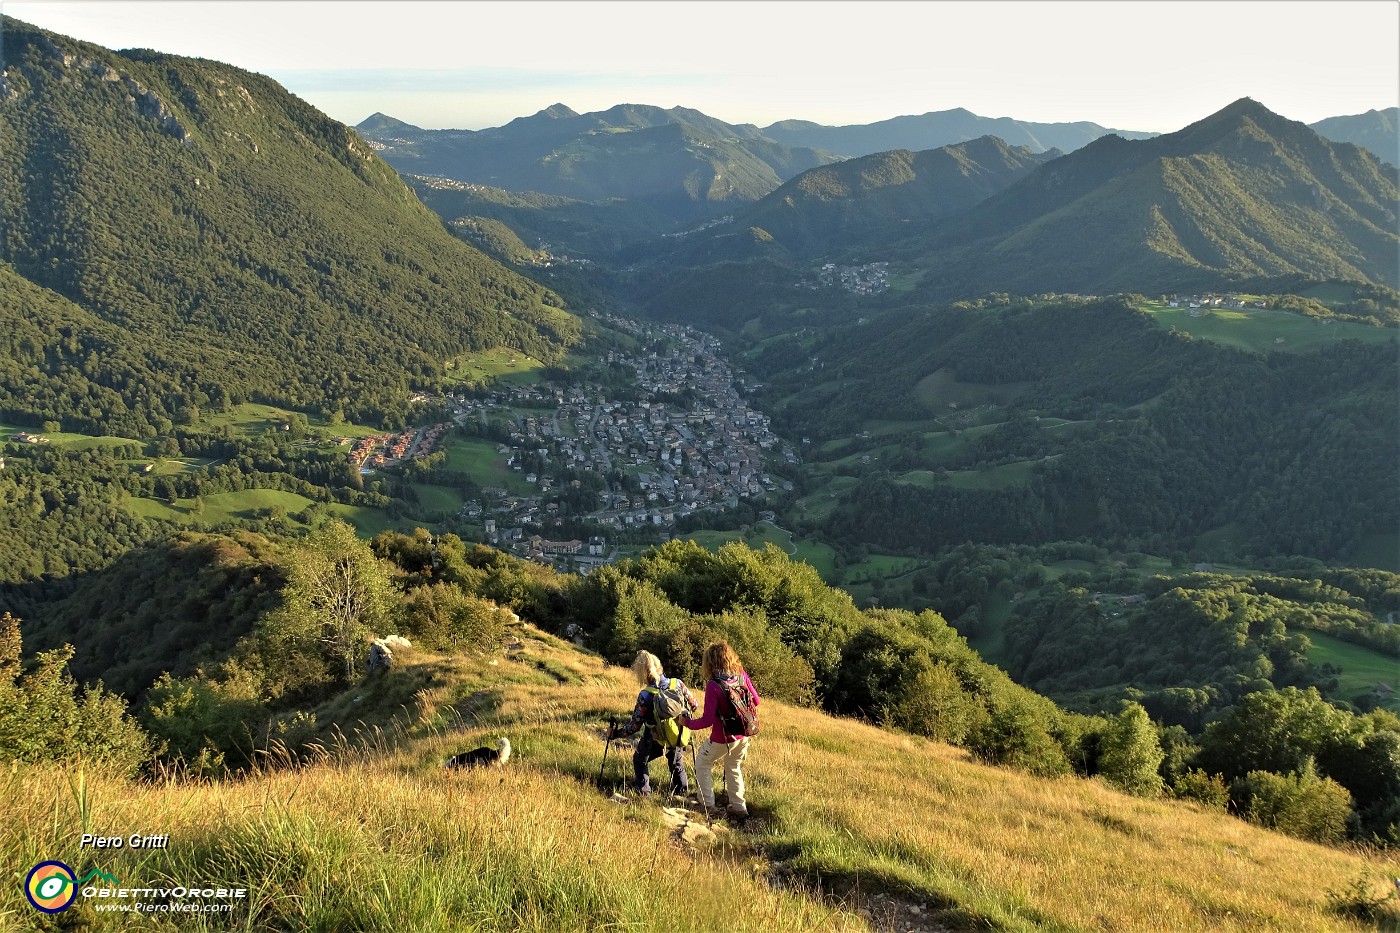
x: 337, y: 593
x: 937, y: 705
x: 1015, y: 736
x: 1209, y: 790
x: 1130, y: 753
x: 442, y: 617
x: 1300, y: 804
x: 43, y: 716
x: 1276, y: 731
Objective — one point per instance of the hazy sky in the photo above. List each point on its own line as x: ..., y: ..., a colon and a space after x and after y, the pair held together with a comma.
x: 1129, y: 64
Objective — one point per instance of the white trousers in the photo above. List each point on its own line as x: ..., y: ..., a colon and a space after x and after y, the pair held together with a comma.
x: 731, y: 756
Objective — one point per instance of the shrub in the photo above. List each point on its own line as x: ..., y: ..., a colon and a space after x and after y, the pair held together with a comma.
x: 441, y: 617
x: 1300, y: 804
x: 207, y: 724
x: 936, y: 705
x: 43, y: 716
x: 1209, y: 790
x: 1014, y: 736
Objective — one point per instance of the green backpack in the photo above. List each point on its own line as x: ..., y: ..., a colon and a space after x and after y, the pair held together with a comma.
x: 668, y: 705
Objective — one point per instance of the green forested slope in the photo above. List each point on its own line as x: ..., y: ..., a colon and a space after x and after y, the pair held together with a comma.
x: 570, y: 226
x: 244, y: 244
x: 879, y: 198
x: 1241, y: 194
x: 1169, y: 438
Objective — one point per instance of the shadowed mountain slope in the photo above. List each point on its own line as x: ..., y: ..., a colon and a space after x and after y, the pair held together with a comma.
x: 679, y: 161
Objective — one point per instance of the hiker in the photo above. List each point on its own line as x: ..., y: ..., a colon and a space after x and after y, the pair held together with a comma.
x: 669, y: 736
x: 727, y: 689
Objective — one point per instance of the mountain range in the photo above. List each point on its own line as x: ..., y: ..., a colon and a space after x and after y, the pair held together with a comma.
x: 1244, y: 194
x: 938, y: 129
x: 869, y: 201
x: 1375, y: 130
x: 679, y: 161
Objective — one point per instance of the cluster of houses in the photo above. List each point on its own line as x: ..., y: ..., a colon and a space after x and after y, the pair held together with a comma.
x: 708, y: 453
x: 1197, y: 305
x: 718, y: 221
x: 24, y: 437
x: 869, y: 279
x: 378, y: 450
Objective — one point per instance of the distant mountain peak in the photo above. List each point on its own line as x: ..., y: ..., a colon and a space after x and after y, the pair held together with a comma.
x: 557, y: 112
x: 383, y: 123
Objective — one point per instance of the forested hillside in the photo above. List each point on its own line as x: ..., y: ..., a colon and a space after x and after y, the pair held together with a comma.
x: 866, y: 203
x: 242, y: 244
x: 570, y: 226
x: 1376, y: 130
x: 1126, y: 433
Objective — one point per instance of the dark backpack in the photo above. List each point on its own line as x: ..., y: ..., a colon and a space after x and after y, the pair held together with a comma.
x: 741, y: 717
x: 668, y: 705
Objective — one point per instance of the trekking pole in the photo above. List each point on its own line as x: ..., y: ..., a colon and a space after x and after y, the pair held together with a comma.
x: 611, y: 726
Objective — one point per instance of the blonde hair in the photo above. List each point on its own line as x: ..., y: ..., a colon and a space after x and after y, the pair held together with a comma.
x: 720, y: 659
x: 647, y: 667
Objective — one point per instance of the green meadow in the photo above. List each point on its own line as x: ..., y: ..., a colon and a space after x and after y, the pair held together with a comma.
x: 497, y: 364
x: 1362, y: 668
x: 65, y: 440
x: 821, y: 556
x: 479, y: 458
x: 1260, y: 331
x: 251, y: 419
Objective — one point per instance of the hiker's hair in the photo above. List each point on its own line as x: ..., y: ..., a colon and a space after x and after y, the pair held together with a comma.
x: 647, y: 667
x: 720, y: 659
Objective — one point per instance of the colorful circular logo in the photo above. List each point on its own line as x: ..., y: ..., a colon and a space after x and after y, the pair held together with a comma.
x: 51, y: 887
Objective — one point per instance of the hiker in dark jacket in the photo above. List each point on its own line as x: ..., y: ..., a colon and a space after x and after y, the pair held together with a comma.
x: 647, y: 667
x: 721, y: 665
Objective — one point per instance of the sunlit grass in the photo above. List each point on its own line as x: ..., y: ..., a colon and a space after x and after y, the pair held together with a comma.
x: 1261, y: 331
x: 374, y: 835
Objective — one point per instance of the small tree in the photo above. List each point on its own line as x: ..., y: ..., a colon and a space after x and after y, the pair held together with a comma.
x: 936, y: 705
x: 336, y: 592
x: 1130, y: 753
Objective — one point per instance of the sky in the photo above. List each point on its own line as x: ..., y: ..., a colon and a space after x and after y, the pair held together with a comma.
x: 1124, y: 64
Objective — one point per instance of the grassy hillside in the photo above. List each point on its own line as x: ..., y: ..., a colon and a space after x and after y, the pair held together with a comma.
x: 1263, y: 331
x: 854, y: 828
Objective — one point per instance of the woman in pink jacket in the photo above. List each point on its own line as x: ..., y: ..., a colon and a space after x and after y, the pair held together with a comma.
x: 722, y: 672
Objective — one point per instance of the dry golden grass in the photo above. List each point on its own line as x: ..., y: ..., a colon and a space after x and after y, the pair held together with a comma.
x: 377, y: 836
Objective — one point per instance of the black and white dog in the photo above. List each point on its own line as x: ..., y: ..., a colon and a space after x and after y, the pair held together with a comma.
x: 481, y: 757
